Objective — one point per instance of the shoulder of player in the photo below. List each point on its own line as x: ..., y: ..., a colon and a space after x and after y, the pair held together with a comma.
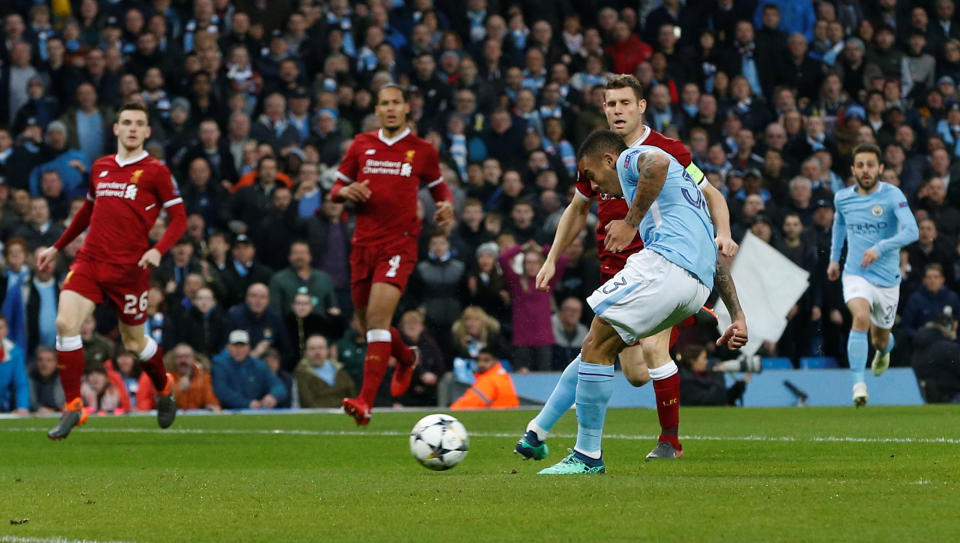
x: 104, y: 161
x: 670, y: 145
x: 892, y: 191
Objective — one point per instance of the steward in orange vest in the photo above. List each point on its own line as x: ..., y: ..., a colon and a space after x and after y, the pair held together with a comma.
x: 493, y: 388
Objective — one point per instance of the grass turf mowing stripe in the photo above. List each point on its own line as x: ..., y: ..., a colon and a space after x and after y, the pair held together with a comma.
x: 631, y: 437
x: 13, y: 539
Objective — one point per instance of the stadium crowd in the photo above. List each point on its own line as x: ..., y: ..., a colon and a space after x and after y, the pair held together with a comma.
x: 253, y: 103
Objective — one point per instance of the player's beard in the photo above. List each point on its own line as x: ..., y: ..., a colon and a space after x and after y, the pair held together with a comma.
x: 868, y: 185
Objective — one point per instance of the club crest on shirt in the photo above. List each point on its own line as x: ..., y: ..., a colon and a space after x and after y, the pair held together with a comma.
x: 877, y: 211
x: 409, y: 156
x: 135, y: 178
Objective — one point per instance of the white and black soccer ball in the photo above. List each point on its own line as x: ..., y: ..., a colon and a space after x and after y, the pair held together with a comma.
x: 439, y: 442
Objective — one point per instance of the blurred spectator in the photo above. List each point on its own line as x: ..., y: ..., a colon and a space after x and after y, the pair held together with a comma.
x: 928, y: 301
x: 212, y: 147
x: 300, y: 277
x: 532, y: 332
x: 103, y: 391
x: 264, y: 325
x: 321, y: 380
x: 97, y: 349
x: 568, y: 331
x: 929, y: 248
x: 493, y: 388
x: 46, y: 393
x: 41, y: 308
x: 39, y: 230
x: 14, y: 386
x: 273, y: 360
x: 242, y: 269
x: 127, y: 367
x: 701, y: 386
x: 88, y: 125
x: 476, y: 331
x: 193, y: 388
x: 436, y: 283
x: 201, y: 324
x: 485, y: 285
x: 432, y: 366
x: 935, y: 355
x: 241, y: 381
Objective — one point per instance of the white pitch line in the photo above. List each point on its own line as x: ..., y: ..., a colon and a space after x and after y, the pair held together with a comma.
x: 13, y: 539
x: 389, y: 433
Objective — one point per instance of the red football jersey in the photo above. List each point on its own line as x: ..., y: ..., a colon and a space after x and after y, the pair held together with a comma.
x: 612, y: 208
x: 395, y: 169
x: 127, y: 198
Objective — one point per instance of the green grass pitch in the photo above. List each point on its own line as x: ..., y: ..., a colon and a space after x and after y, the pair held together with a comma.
x: 814, y: 474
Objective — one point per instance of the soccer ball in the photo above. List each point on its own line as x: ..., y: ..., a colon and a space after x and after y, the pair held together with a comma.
x: 439, y: 442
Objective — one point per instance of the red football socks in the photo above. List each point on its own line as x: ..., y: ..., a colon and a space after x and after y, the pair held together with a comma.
x: 152, y: 361
x: 399, y: 349
x: 374, y: 368
x: 666, y: 386
x: 70, y: 365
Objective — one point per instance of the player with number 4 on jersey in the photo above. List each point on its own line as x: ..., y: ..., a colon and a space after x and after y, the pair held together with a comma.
x: 381, y: 174
x: 127, y: 192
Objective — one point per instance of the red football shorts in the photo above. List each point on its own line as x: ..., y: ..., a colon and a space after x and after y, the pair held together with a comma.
x: 390, y: 263
x: 125, y: 286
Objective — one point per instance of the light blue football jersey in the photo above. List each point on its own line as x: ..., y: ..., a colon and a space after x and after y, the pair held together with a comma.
x: 677, y: 226
x: 881, y: 221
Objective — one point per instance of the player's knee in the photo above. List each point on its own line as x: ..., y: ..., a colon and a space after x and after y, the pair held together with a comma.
x: 861, y: 321
x: 135, y: 344
x: 637, y: 377
x: 66, y: 327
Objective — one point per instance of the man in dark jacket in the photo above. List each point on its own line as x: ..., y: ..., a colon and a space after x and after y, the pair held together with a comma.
x: 264, y: 325
x: 321, y: 381
x: 241, y: 381
x: 242, y: 270
x: 929, y: 301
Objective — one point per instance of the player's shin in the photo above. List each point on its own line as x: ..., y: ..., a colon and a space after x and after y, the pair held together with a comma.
x: 857, y: 347
x: 594, y: 388
x: 151, y: 358
x: 375, y: 363
x: 70, y: 364
x: 666, y: 386
x: 559, y: 402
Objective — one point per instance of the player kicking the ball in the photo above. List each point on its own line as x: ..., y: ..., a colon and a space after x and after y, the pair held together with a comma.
x: 657, y: 288
x: 381, y: 174
x: 624, y: 107
x: 875, y: 219
x: 127, y: 192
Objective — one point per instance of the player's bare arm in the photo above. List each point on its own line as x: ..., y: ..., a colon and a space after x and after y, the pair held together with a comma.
x: 47, y: 258
x: 571, y: 224
x: 720, y: 214
x: 736, y: 334
x: 652, y: 173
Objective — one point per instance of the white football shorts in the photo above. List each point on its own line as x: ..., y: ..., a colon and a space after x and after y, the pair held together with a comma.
x: 648, y: 295
x: 883, y: 300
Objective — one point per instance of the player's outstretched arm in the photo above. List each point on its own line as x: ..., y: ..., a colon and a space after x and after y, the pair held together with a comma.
x: 720, y: 214
x: 571, y: 224
x: 736, y: 334
x: 651, y: 175
x: 79, y: 223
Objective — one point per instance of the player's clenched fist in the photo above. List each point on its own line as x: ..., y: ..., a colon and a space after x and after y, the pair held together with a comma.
x: 619, y: 235
x: 356, y: 192
x: 735, y: 336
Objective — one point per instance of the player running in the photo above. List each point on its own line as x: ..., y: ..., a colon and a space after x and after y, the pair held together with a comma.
x: 381, y: 174
x: 127, y: 192
x: 658, y: 287
x: 876, y: 220
x: 624, y: 107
